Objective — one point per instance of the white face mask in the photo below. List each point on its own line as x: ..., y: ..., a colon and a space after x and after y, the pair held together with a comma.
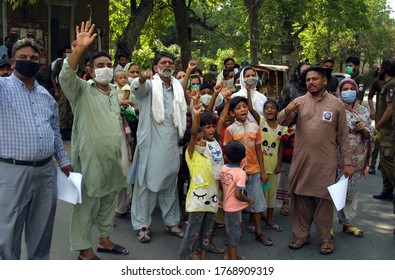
x: 200, y: 149
x: 252, y: 81
x: 130, y: 79
x: 103, y: 75
x: 205, y: 99
x: 229, y: 83
x: 165, y: 72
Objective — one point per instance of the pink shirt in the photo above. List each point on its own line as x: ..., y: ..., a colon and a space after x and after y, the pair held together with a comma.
x: 232, y: 177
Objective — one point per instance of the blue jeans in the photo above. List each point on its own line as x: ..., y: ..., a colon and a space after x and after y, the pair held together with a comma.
x: 233, y: 227
x: 200, y: 226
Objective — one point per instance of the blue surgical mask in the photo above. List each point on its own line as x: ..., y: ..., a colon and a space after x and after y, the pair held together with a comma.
x: 349, y: 96
x: 196, y: 86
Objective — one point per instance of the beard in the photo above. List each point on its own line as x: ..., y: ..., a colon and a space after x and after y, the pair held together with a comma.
x: 165, y: 72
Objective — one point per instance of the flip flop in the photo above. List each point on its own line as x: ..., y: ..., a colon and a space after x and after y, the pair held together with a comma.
x: 274, y: 227
x: 265, y: 241
x: 353, y: 230
x: 116, y: 250
x: 94, y: 258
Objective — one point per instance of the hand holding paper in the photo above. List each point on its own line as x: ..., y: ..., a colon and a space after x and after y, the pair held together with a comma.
x: 69, y: 188
x: 338, y: 193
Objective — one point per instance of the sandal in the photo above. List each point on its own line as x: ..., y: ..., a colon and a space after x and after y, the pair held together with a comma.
x: 226, y: 257
x: 274, y: 227
x: 353, y: 230
x: 265, y: 241
x: 116, y: 250
x: 174, y: 230
x: 326, y: 247
x: 215, y: 249
x: 284, y: 210
x: 251, y: 229
x: 144, y: 235
x: 298, y: 243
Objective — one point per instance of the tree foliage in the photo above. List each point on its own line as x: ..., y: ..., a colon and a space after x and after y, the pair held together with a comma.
x: 283, y: 31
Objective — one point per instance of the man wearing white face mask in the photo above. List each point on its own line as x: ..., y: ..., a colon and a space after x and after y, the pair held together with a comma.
x: 156, y: 162
x: 96, y: 144
x: 249, y: 81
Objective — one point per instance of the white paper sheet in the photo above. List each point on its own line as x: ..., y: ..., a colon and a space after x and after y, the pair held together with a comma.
x: 69, y: 188
x: 338, y: 192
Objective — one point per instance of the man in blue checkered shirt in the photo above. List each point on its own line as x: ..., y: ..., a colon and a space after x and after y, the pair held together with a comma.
x: 29, y: 138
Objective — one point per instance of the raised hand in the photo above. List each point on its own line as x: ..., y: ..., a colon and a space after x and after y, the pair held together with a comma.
x: 227, y: 94
x: 85, y: 35
x: 292, y: 106
x: 197, y: 109
x: 192, y: 64
x: 195, y: 95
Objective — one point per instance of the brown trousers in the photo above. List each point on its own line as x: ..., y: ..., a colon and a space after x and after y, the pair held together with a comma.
x: 308, y: 209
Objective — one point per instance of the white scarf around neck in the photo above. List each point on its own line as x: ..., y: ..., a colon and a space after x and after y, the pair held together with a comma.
x: 179, y: 104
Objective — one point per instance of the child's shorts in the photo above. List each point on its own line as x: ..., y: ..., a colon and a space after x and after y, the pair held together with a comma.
x: 233, y: 226
x: 254, y: 190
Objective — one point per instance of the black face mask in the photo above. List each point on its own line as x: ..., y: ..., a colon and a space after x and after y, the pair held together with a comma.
x: 27, y: 68
x: 328, y: 72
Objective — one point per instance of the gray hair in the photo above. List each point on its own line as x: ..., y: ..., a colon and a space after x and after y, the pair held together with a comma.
x: 25, y: 42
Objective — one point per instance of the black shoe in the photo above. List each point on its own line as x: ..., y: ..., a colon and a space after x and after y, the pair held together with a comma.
x: 372, y: 170
x: 384, y: 196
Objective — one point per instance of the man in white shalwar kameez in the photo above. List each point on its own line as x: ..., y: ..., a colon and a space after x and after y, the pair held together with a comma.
x: 162, y: 122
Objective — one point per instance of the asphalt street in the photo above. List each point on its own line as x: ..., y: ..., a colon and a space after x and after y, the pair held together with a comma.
x: 375, y: 218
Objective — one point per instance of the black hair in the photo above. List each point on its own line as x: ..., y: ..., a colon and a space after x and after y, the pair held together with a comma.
x: 321, y: 71
x: 187, y: 136
x: 237, y: 65
x: 220, y: 108
x: 388, y: 67
x: 207, y: 85
x: 228, y: 59
x: 159, y: 55
x: 120, y: 55
x: 25, y: 42
x: 235, y: 151
x: 68, y: 47
x: 227, y: 71
x: 273, y: 102
x: 196, y: 70
x: 207, y: 118
x: 354, y: 60
x: 237, y: 75
x: 178, y: 70
x: 96, y: 55
x: 60, y: 52
x: 236, y: 100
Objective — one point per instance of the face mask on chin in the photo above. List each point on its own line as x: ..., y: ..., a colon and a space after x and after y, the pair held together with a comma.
x: 130, y: 80
x: 27, y: 68
x: 165, y: 72
x: 103, y: 75
x: 200, y: 149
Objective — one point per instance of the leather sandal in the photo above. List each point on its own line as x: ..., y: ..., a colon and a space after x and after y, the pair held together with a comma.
x: 265, y: 241
x: 144, y: 235
x: 327, y: 247
x: 298, y: 243
x: 174, y: 230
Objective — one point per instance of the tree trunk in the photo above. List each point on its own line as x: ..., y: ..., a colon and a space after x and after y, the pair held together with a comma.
x: 182, y: 25
x: 129, y: 38
x: 253, y: 7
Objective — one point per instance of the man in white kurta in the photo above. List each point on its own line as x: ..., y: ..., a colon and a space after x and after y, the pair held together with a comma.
x: 156, y: 161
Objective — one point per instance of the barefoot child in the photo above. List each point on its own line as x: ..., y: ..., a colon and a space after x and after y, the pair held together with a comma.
x: 233, y: 180
x: 202, y: 196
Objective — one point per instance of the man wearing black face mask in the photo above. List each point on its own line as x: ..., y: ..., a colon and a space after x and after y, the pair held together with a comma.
x: 332, y: 84
x: 29, y: 137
